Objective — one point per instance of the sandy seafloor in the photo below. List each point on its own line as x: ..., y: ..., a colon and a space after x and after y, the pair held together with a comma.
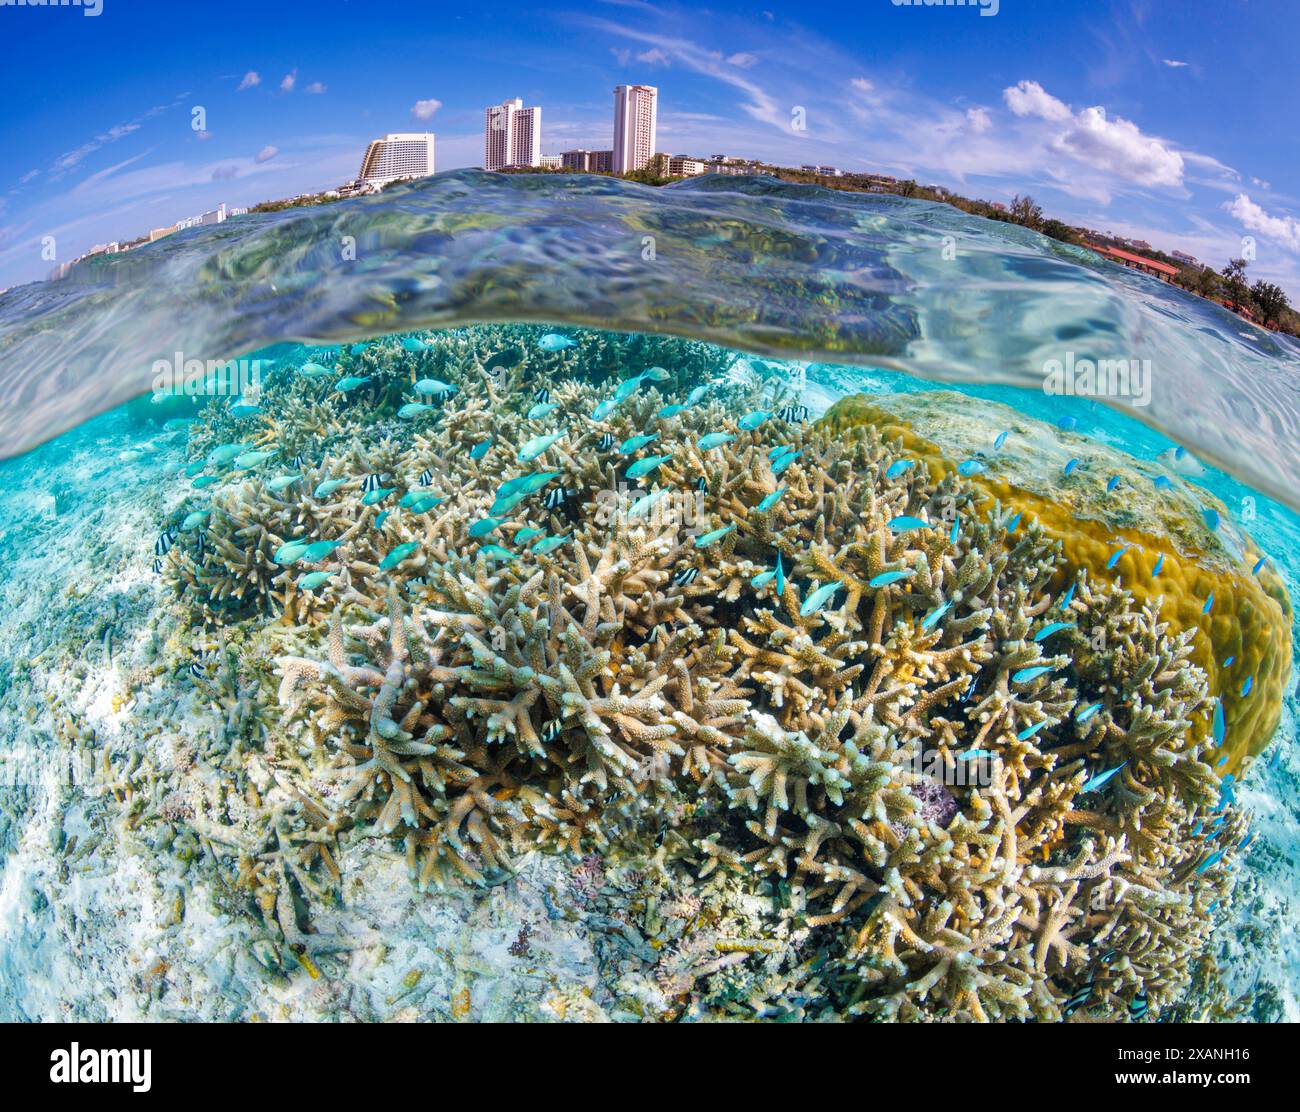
x: 103, y: 929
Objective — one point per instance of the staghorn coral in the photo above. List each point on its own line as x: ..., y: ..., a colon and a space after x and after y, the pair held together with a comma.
x: 892, y: 765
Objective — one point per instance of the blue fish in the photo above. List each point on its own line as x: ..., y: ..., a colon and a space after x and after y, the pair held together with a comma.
x: 636, y: 443
x: 887, y: 577
x: 1162, y: 482
x: 1245, y: 687
x: 1259, y: 564
x: 541, y: 409
x: 1068, y: 596
x: 1211, y: 518
x: 781, y: 464
x: 642, y: 504
x: 413, y: 409
x: 974, y: 754
x: 898, y: 467
x: 955, y: 531
x: 670, y: 411
x: 697, y: 395
x: 819, y: 598
x: 780, y: 577
x: 398, y: 554
x: 905, y: 524
x: 1030, y: 731
x: 553, y: 341
x: 550, y: 544
x: 411, y: 344
x: 969, y: 467
x: 1210, y: 861
x: 779, y: 450
x: 932, y: 618
x: 1160, y: 563
x: 1114, y: 556
x: 537, y: 446
x: 1087, y: 712
x: 1208, y: 603
x: 604, y: 409
x: 751, y: 421
x: 480, y: 449
x: 713, y: 537
x: 486, y: 525
x: 713, y: 440
x: 762, y: 579
x: 1101, y: 779
x: 645, y: 466
x: 1027, y: 674
x: 1068, y: 423
x: 1068, y: 470
x: 1002, y: 439
x: 1015, y: 521
x: 1112, y: 483
x: 770, y: 501
x: 1050, y: 628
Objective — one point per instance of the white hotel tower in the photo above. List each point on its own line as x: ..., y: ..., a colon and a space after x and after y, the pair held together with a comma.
x: 636, y: 114
x: 512, y: 135
x: 398, y: 155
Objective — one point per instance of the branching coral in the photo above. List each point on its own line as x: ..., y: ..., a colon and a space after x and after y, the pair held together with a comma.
x: 978, y: 796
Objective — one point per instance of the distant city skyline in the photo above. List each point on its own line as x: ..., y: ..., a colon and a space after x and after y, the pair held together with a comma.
x: 1148, y: 122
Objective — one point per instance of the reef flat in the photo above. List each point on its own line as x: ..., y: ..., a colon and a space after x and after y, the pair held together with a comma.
x: 505, y: 674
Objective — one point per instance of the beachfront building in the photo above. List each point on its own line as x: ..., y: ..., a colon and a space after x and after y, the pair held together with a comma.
x: 636, y: 115
x: 681, y: 167
x: 1153, y: 267
x: 512, y: 135
x: 396, y: 156
x: 588, y: 162
x: 552, y: 162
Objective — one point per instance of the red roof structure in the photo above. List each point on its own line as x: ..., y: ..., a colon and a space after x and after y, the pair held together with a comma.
x: 1151, y: 266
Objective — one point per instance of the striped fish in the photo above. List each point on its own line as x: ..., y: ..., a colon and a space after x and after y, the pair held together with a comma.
x: 542, y: 396
x: 372, y: 482
x: 1078, y: 1000
x: 655, y: 632
x: 702, y: 485
x: 200, y: 547
x: 298, y: 462
x: 1138, y: 1007
x: 793, y: 413
x: 606, y: 442
x: 157, y: 565
x: 426, y: 478
x: 164, y: 542
x: 686, y: 576
x: 552, y: 730
x: 557, y: 496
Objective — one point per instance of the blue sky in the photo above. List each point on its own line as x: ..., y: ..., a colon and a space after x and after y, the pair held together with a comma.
x: 1167, y: 121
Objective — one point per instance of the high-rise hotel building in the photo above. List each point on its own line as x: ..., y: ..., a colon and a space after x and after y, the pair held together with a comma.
x: 635, y: 117
x: 512, y: 135
x: 396, y: 156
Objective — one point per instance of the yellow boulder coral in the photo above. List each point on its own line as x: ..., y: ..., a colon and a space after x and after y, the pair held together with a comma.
x: 1168, y: 542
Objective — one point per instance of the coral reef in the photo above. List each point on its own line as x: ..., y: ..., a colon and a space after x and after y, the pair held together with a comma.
x: 1137, y: 524
x: 964, y: 774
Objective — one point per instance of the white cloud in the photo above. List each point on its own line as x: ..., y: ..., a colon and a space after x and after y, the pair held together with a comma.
x: 622, y: 54
x: 424, y: 109
x: 979, y: 119
x: 288, y: 81
x: 1029, y: 98
x: 654, y: 57
x: 316, y: 87
x: 1172, y: 64
x: 250, y: 79
x: 266, y: 154
x: 1281, y: 229
x: 742, y: 59
x: 1119, y: 147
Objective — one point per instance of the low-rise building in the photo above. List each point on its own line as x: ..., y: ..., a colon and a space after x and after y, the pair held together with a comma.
x: 679, y: 166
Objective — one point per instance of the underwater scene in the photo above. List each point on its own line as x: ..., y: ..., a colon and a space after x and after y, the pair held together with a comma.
x: 729, y: 601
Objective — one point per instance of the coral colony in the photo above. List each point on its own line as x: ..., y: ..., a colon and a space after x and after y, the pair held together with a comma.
x: 869, y: 742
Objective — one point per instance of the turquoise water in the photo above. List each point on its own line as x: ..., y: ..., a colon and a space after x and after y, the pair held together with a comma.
x: 784, y: 296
